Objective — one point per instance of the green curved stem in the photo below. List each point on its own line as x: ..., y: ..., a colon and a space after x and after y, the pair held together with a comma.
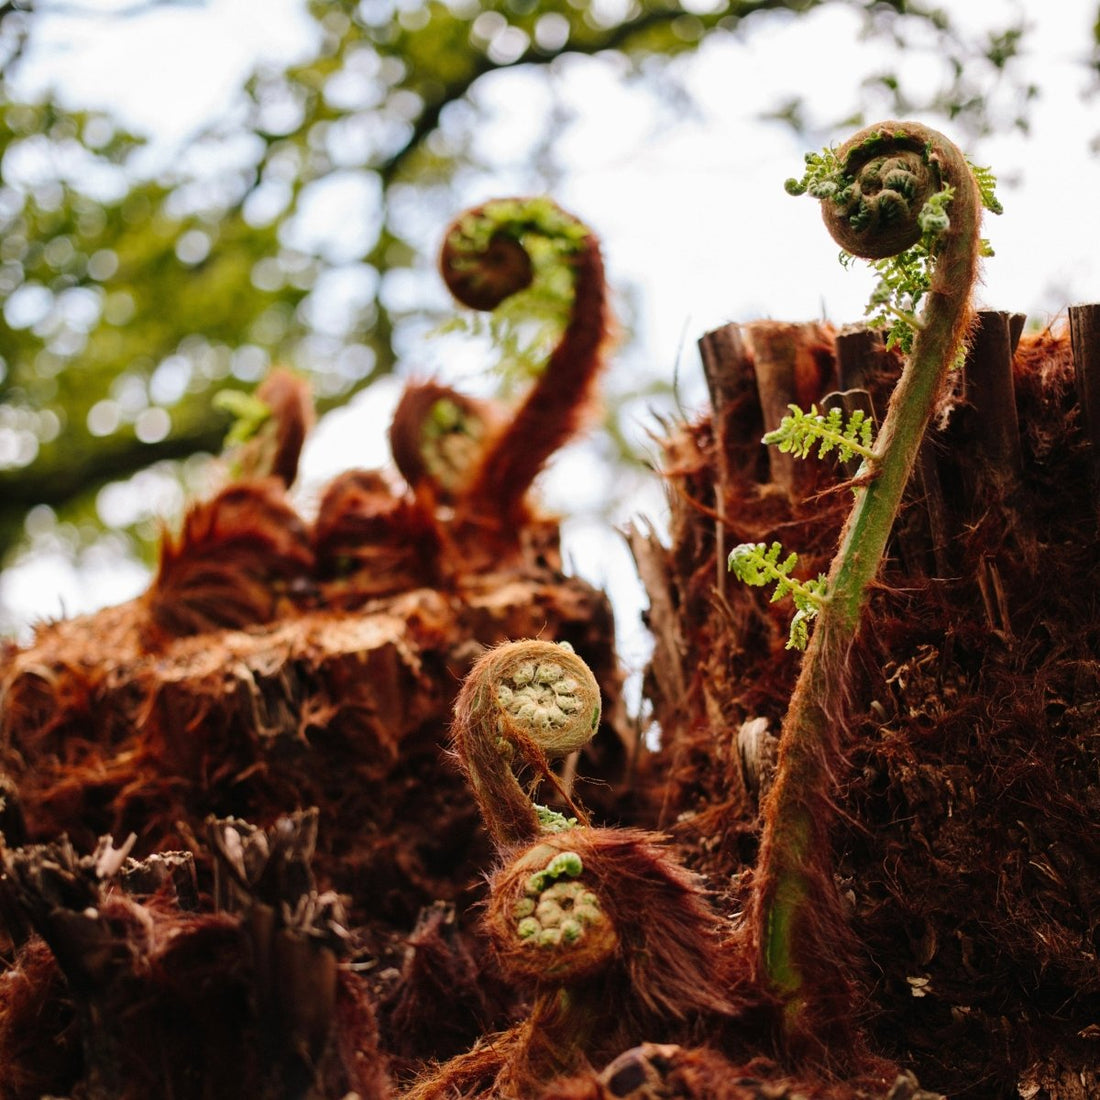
x: 794, y: 873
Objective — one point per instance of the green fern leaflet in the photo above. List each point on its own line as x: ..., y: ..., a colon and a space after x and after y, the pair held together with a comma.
x: 800, y: 432
x: 756, y: 564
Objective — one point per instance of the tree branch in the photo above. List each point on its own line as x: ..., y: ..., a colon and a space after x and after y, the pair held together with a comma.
x: 615, y: 38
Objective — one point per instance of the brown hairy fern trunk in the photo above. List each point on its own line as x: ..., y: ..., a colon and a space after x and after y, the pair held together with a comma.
x: 242, y: 854
x: 964, y: 850
x: 238, y: 858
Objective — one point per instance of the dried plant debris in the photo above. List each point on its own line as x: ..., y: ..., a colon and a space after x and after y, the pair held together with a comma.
x: 145, y: 998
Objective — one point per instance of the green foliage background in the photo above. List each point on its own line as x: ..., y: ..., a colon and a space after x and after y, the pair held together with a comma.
x: 128, y: 301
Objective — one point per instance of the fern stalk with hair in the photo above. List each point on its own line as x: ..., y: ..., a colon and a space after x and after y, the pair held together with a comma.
x: 486, y: 258
x: 238, y: 553
x: 610, y: 936
x: 889, y: 189
x: 436, y: 437
x: 231, y: 563
x: 270, y: 426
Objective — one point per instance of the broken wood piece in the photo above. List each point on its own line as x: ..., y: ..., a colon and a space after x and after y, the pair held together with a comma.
x: 144, y: 877
x: 759, y: 749
x: 861, y: 357
x: 1084, y: 333
x: 731, y: 382
x: 296, y: 933
x: 663, y: 617
x: 792, y: 364
x: 736, y: 421
x: 265, y: 865
x: 940, y: 522
x: 991, y: 393
x: 61, y: 894
x: 986, y: 431
x: 152, y: 992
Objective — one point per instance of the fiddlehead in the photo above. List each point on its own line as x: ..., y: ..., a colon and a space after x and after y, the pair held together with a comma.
x: 239, y: 554
x: 902, y: 192
x: 873, y: 188
x: 437, y: 437
x: 487, y: 256
x: 546, y: 918
x: 891, y: 187
x: 482, y: 260
x: 270, y: 426
x: 947, y: 225
x: 523, y: 705
x: 609, y: 933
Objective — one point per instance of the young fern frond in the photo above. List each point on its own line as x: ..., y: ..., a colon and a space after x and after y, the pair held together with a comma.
x: 533, y: 250
x: 822, y: 178
x: 756, y: 564
x: 610, y: 937
x: 248, y: 411
x: 269, y: 426
x: 905, y: 276
x: 904, y: 197
x: 798, y: 433
x: 522, y: 706
x: 987, y: 183
x: 533, y: 243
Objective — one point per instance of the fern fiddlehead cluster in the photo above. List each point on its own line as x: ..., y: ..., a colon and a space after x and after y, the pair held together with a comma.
x: 608, y: 932
x: 437, y: 436
x: 522, y: 706
x: 890, y: 189
x: 530, y: 260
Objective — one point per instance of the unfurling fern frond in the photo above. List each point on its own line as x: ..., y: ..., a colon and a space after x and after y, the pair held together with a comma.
x: 798, y: 433
x: 756, y: 564
x: 897, y: 187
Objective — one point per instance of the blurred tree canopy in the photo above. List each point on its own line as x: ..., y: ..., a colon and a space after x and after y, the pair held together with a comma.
x: 127, y: 301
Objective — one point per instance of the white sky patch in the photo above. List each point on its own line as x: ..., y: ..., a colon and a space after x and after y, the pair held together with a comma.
x: 49, y: 585
x: 167, y: 71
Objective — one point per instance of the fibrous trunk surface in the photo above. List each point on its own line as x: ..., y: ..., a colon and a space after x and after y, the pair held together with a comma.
x: 231, y: 959
x: 298, y: 914
x: 965, y: 840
